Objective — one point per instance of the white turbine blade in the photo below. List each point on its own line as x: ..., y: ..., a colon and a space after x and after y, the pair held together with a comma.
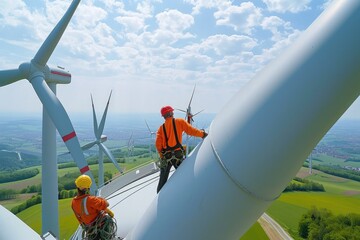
x: 63, y: 154
x: 96, y: 130
x: 88, y: 146
x: 181, y: 110
x: 10, y: 76
x: 198, y: 113
x: 47, y: 48
x: 192, y: 95
x: 148, y: 127
x: 102, y: 122
x: 110, y: 156
x: 61, y: 120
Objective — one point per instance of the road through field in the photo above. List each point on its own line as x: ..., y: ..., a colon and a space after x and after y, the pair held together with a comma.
x: 272, y: 229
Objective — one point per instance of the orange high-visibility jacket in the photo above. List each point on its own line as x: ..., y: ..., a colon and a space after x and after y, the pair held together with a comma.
x: 86, y: 207
x: 181, y: 126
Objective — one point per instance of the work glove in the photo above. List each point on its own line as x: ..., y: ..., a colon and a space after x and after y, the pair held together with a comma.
x: 111, y: 213
x: 205, y: 134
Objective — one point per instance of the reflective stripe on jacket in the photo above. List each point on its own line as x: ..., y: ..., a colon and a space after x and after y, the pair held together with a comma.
x: 86, y: 207
x: 181, y: 126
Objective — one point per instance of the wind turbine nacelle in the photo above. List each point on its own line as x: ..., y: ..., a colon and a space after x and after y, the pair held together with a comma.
x: 58, y: 76
x: 103, y: 138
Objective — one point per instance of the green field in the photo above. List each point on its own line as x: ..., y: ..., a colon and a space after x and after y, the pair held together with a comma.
x: 342, y: 196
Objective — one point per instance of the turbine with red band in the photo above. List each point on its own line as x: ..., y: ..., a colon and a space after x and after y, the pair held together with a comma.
x: 39, y: 74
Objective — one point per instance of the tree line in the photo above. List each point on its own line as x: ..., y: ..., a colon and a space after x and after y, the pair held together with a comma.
x: 304, y: 185
x: 339, y: 172
x: 18, y: 175
x: 322, y: 224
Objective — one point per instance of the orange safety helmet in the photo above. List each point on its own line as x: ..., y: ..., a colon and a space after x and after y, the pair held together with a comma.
x: 165, y: 110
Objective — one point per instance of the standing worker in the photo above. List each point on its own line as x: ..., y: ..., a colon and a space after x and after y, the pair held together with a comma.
x: 169, y: 142
x: 92, y: 212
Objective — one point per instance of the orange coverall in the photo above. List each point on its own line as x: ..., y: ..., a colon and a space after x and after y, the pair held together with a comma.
x: 93, y: 207
x: 181, y: 126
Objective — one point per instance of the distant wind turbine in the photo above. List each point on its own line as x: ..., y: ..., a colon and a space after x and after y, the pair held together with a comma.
x: 190, y: 119
x: 189, y: 116
x: 99, y: 139
x: 44, y: 79
x: 151, y: 137
x: 130, y: 145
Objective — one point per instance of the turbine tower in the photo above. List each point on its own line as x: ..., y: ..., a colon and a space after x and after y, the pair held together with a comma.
x: 44, y: 79
x: 99, y: 139
x: 130, y: 145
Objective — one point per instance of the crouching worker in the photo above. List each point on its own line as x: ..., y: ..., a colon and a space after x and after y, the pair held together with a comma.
x: 92, y: 212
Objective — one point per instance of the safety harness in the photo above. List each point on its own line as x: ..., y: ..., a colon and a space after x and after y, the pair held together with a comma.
x: 103, y: 227
x: 173, y: 154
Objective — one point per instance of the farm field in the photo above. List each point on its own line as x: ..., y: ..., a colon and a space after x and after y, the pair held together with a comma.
x: 341, y: 196
x: 18, y: 185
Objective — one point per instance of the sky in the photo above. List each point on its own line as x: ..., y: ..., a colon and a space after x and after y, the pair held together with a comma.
x: 150, y: 53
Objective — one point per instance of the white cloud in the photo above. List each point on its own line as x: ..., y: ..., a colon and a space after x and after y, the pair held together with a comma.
x: 174, y: 21
x: 131, y: 23
x: 13, y: 13
x: 113, y: 4
x: 88, y: 16
x: 199, y: 4
x: 277, y: 26
x: 241, y: 18
x: 283, y: 6
x: 275, y: 50
x: 142, y: 46
x: 228, y: 45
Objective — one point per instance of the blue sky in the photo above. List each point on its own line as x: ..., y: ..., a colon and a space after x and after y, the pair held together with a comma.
x: 151, y: 53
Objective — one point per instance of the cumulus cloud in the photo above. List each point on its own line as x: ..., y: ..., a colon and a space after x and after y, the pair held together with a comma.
x: 283, y: 6
x: 14, y: 13
x: 207, y: 4
x: 215, y: 42
x: 241, y: 18
x: 277, y: 26
x: 174, y: 20
x: 228, y: 45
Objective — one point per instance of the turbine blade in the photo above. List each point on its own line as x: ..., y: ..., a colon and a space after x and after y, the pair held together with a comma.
x: 102, y: 122
x: 148, y: 127
x: 198, y: 113
x: 96, y: 130
x: 110, y: 156
x: 88, y: 146
x: 192, y: 95
x: 181, y: 110
x: 47, y: 48
x: 10, y: 76
x: 61, y: 120
x: 63, y: 154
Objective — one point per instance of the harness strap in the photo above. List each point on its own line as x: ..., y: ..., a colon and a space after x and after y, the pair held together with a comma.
x: 83, y: 206
x: 178, y: 144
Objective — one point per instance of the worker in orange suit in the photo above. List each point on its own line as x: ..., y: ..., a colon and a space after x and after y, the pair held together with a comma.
x: 89, y: 210
x: 169, y: 142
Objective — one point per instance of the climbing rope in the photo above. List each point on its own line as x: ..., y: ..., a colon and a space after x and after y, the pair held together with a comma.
x: 104, y: 227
